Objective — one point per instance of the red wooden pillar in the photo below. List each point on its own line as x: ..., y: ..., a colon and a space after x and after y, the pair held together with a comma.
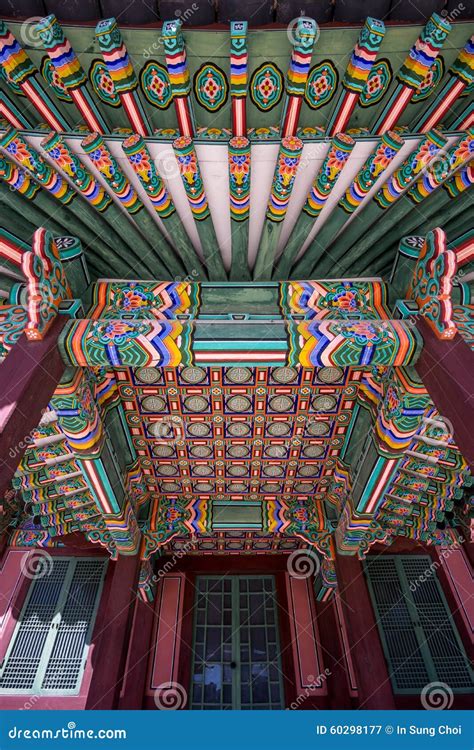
x: 28, y: 378
x: 446, y: 368
x: 333, y: 656
x: 111, y: 633
x: 373, y: 681
x: 140, y: 646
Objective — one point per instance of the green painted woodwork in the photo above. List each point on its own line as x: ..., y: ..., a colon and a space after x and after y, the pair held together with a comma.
x: 266, y: 251
x: 48, y: 649
x: 78, y: 217
x: 117, y: 245
x: 145, y: 45
x: 295, y: 242
x: 373, y: 168
x: 231, y: 615
x: 239, y: 269
x: 455, y: 218
x: 240, y: 298
x: 288, y: 159
x: 437, y: 209
x: 402, y: 178
x: 419, y: 636
x: 190, y: 172
x: 246, y: 515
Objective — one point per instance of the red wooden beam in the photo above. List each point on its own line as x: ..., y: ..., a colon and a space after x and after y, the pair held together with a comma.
x: 28, y: 378
x: 446, y: 367
x: 373, y: 681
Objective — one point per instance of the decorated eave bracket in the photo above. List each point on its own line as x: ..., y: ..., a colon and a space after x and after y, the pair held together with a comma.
x: 47, y: 285
x: 432, y: 285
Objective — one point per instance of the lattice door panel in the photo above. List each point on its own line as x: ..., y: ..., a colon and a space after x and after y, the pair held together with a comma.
x: 236, y: 647
x: 48, y: 648
x: 420, y: 640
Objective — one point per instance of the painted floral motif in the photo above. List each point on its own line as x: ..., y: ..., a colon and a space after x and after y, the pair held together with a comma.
x: 377, y: 84
x: 423, y: 155
x: 321, y: 85
x: 430, y: 81
x: 239, y: 177
x: 335, y: 162
x: 187, y: 161
x: 347, y: 300
x: 103, y: 84
x: 393, y: 402
x: 363, y: 332
x: 239, y: 165
x: 156, y: 85
x: 266, y: 87
x: 132, y: 298
x: 102, y: 161
x: 464, y: 152
x: 210, y: 87
x: 20, y: 151
x: 116, y: 332
x: 63, y: 159
x: 285, y: 173
x: 287, y: 166
x: 141, y: 164
x: 86, y: 407
x: 382, y: 159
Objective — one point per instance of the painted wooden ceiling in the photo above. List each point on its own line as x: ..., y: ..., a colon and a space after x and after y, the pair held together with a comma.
x: 163, y: 206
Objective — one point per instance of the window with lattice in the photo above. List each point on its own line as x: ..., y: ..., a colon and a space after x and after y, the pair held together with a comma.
x: 48, y: 650
x: 419, y: 637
